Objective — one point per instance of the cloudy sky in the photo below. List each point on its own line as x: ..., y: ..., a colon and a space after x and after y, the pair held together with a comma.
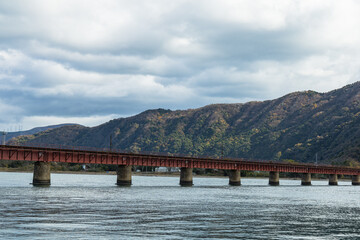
x: 91, y: 61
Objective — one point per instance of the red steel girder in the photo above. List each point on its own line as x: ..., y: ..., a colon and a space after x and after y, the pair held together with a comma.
x: 22, y: 153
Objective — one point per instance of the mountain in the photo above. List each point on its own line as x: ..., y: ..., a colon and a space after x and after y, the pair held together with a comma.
x: 297, y: 126
x: 11, y: 135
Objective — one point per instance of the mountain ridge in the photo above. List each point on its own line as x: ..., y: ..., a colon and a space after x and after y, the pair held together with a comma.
x: 297, y: 126
x: 10, y: 135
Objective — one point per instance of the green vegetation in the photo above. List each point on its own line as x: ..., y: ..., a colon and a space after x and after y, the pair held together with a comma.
x: 297, y: 127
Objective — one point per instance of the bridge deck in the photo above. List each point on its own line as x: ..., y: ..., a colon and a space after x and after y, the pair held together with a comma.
x: 42, y: 154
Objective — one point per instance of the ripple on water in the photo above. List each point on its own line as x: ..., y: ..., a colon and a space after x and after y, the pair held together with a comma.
x: 92, y: 207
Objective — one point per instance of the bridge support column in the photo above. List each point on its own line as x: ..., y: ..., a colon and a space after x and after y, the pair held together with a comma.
x: 306, y: 179
x: 186, y: 177
x: 274, y: 178
x: 356, y: 180
x: 333, y: 179
x: 41, y: 175
x: 123, y: 175
x: 234, y: 178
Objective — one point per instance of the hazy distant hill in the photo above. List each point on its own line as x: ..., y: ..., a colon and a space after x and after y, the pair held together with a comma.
x: 296, y: 126
x: 11, y: 135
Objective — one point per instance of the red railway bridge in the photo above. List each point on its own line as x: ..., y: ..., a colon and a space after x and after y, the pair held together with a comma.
x: 43, y: 156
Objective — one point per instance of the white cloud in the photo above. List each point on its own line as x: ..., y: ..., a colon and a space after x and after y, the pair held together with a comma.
x: 110, y: 63
x: 8, y: 114
x: 186, y: 46
x: 258, y: 15
x: 53, y: 78
x: 90, y: 121
x: 49, y: 78
x: 73, y: 59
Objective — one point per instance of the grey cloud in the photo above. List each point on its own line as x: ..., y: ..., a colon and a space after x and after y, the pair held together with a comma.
x: 122, y: 57
x: 64, y: 106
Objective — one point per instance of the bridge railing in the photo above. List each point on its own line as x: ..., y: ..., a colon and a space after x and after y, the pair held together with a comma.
x: 94, y: 149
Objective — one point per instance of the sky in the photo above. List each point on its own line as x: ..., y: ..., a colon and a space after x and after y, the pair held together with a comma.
x: 87, y: 61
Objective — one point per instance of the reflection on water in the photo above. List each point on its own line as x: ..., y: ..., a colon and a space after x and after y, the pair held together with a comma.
x: 93, y: 207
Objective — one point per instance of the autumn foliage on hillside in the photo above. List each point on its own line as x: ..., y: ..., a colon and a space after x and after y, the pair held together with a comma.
x: 298, y: 126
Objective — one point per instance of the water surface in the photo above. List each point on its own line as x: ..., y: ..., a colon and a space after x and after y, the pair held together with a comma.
x: 93, y: 207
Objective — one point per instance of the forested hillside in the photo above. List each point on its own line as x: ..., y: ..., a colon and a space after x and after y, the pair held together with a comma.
x: 297, y: 126
x: 10, y: 135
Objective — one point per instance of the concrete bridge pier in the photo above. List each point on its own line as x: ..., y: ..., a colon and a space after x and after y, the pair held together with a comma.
x: 41, y: 175
x: 333, y: 179
x: 123, y: 175
x: 274, y: 178
x: 356, y: 180
x: 306, y: 179
x: 234, y: 178
x: 186, y: 177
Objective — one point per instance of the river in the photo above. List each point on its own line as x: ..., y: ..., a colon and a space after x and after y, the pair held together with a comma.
x: 93, y: 207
